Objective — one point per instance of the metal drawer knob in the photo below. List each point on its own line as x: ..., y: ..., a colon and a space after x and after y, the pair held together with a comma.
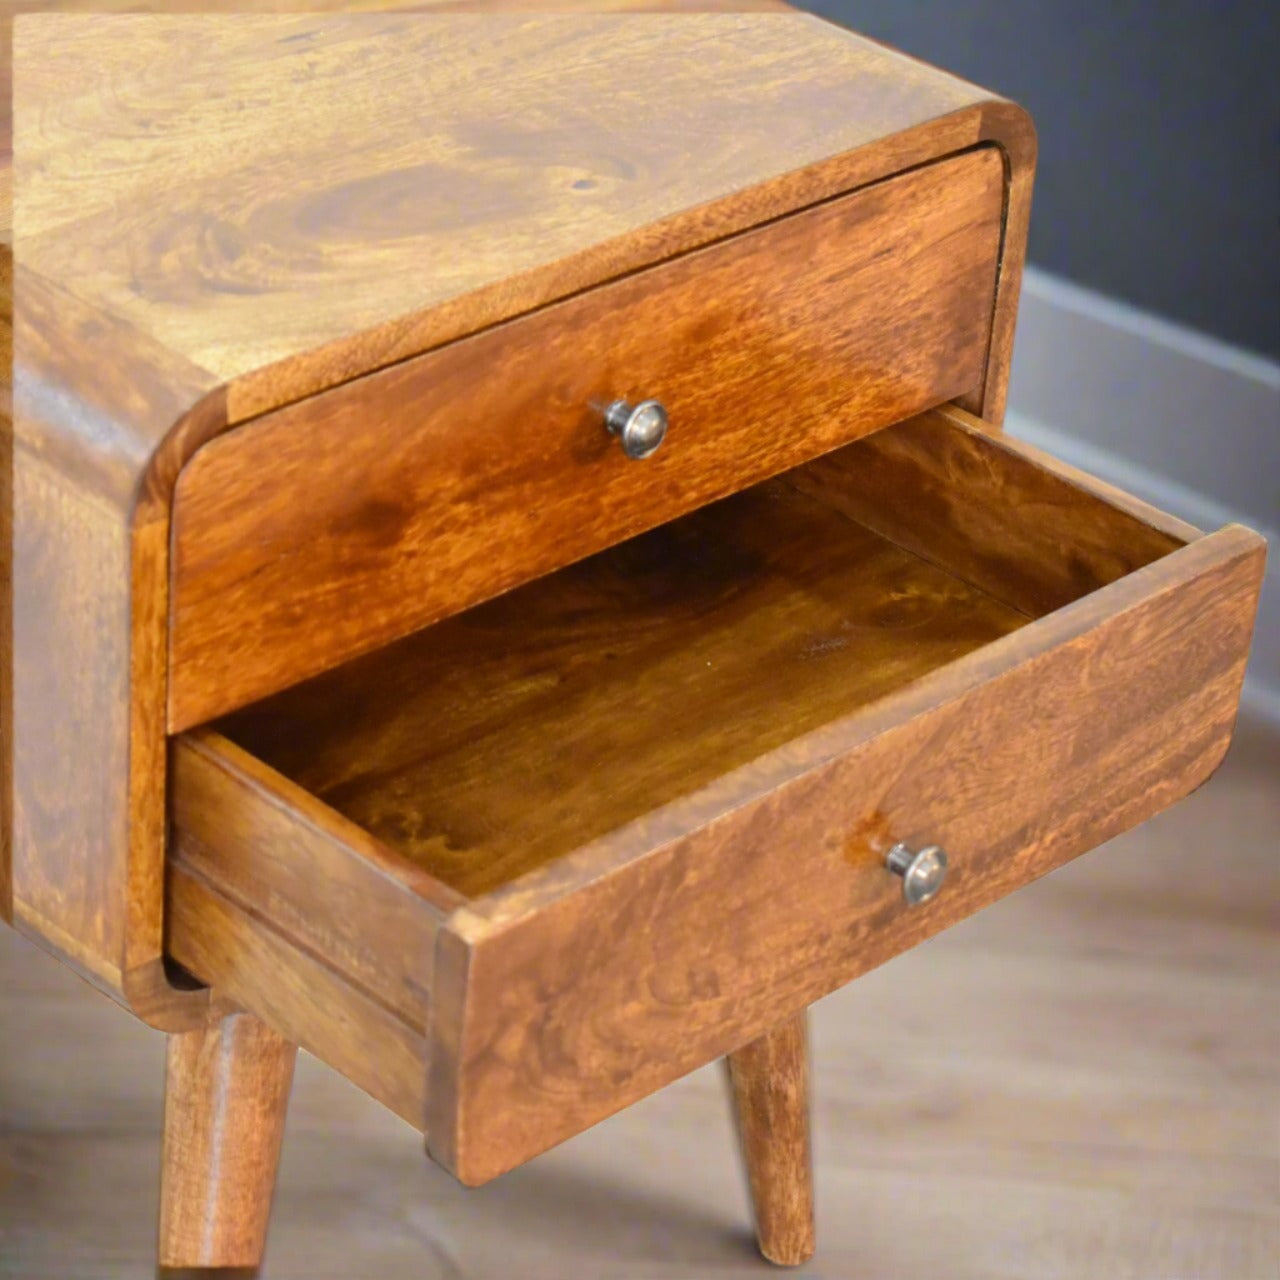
x: 641, y: 428
x: 922, y: 873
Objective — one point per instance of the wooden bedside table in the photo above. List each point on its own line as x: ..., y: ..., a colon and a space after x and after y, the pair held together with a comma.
x: 517, y: 586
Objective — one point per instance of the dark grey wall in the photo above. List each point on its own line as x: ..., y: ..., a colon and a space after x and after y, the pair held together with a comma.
x: 1159, y: 124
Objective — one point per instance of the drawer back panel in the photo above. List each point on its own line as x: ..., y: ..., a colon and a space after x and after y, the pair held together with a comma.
x: 335, y: 525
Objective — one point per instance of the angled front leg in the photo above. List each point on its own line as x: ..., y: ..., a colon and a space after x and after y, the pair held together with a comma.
x: 226, y: 1094
x: 769, y: 1079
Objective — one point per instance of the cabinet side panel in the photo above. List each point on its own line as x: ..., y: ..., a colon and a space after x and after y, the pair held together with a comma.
x: 70, y: 717
x: 92, y: 403
x: 6, y: 579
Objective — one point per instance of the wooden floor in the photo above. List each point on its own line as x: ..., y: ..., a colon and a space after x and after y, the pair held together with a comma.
x: 1082, y: 1082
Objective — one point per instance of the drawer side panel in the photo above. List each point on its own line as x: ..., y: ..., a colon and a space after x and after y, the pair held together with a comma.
x: 315, y: 877
x: 262, y: 971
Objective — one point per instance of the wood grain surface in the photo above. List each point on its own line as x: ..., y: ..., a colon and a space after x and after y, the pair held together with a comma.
x: 1076, y: 1082
x: 90, y: 579
x: 589, y: 983
x: 439, y: 745
x: 9, y: 9
x: 6, y: 576
x: 281, y: 262
x: 226, y: 1093
x: 769, y: 1080
x: 999, y: 514
x: 452, y: 477
x: 1010, y: 127
x: 677, y: 919
x: 505, y: 738
x: 267, y: 844
x: 195, y: 278
x: 297, y: 991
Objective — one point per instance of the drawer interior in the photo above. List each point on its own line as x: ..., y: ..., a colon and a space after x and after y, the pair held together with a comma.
x: 508, y: 736
x: 536, y: 861
x: 540, y: 859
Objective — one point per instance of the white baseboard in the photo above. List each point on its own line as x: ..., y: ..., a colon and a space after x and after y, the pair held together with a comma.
x: 1189, y: 424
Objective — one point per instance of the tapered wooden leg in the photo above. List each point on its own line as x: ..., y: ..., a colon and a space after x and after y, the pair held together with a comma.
x: 769, y: 1079
x: 226, y: 1093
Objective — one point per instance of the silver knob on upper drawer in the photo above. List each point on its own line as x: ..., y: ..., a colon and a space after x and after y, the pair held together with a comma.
x: 641, y: 428
x: 922, y: 873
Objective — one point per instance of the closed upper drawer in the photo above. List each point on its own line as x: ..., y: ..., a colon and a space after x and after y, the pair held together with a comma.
x: 333, y: 526
x: 530, y: 864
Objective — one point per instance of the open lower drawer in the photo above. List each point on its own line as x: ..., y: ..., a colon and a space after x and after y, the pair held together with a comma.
x: 528, y: 865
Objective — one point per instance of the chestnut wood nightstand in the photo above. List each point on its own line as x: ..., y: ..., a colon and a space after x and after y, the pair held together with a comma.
x: 517, y: 587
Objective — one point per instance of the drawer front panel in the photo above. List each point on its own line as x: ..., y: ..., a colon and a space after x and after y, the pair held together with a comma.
x: 565, y: 997
x: 331, y: 527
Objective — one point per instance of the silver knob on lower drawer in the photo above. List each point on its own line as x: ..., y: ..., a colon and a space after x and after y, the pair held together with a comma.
x: 641, y: 428
x: 922, y: 873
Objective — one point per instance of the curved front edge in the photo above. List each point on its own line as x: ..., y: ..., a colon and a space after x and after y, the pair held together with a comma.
x: 94, y: 405
x: 1009, y: 127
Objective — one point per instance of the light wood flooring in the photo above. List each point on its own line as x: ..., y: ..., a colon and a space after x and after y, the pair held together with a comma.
x: 1081, y: 1082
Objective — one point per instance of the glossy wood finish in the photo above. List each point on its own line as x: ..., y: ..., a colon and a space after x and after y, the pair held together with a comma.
x: 12, y: 8
x: 122, y: 374
x: 1000, y: 514
x: 226, y: 1093
x: 108, y: 965
x: 688, y: 932
x: 438, y: 745
x: 733, y: 872
x: 305, y: 266
x: 766, y: 350
x: 504, y: 739
x: 769, y: 1081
